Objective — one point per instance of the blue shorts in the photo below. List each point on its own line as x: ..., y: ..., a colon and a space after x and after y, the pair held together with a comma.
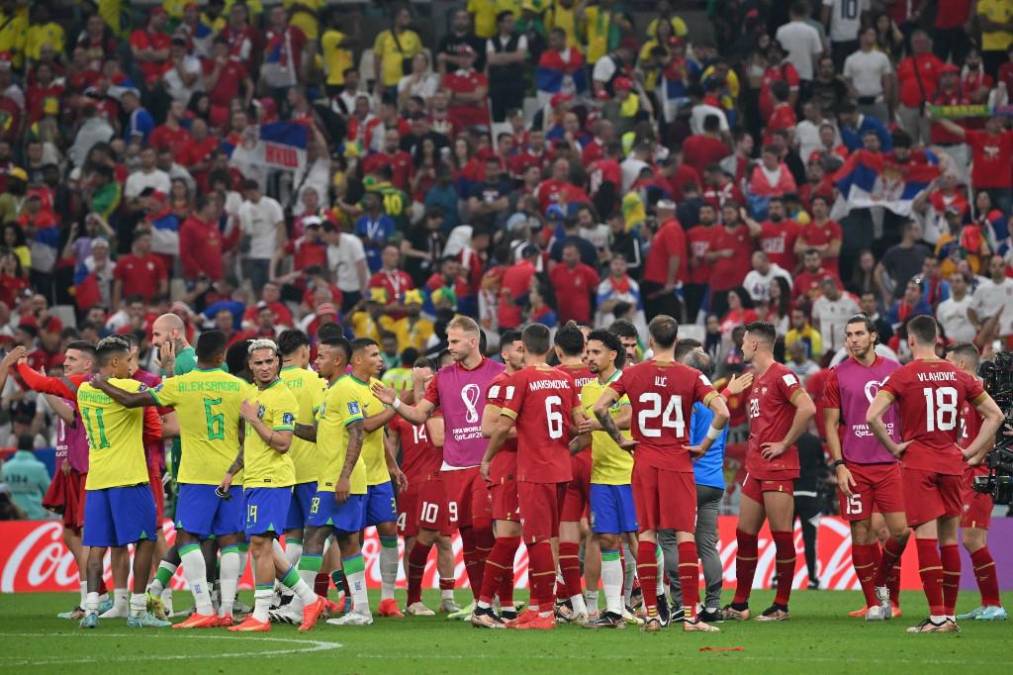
x: 299, y: 510
x: 266, y: 509
x: 612, y: 509
x: 201, y: 512
x: 381, y: 504
x: 348, y: 517
x: 118, y: 516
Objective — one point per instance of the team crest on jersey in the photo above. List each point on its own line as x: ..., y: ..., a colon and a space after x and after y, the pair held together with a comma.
x: 287, y: 418
x: 260, y: 412
x: 353, y: 408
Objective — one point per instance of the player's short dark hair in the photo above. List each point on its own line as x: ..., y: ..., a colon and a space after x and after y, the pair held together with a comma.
x: 409, y: 356
x: 968, y: 351
x: 114, y: 345
x: 210, y: 344
x: 358, y: 344
x: 611, y: 342
x: 685, y: 346
x: 291, y: 340
x: 237, y: 359
x: 570, y: 339
x: 509, y: 337
x: 328, y: 331
x: 664, y: 330
x: 341, y: 342
x: 82, y: 346
x: 624, y: 329
x: 763, y: 330
x: 924, y: 330
x: 536, y: 339
x: 862, y: 318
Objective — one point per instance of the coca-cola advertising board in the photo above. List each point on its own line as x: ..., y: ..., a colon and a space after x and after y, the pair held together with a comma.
x: 33, y: 557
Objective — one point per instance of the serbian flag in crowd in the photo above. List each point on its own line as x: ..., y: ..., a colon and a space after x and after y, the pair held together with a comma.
x: 284, y: 145
x: 870, y: 179
x: 556, y: 74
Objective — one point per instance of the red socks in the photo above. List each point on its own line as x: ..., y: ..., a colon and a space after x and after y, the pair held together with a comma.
x: 689, y: 578
x: 930, y: 569
x: 984, y: 572
x: 866, y: 559
x: 745, y: 566
x: 321, y: 583
x: 569, y: 565
x: 647, y: 572
x: 541, y: 574
x: 888, y: 573
x: 448, y: 583
x: 476, y: 544
x: 784, y: 543
x: 506, y: 580
x: 500, y: 563
x: 417, y: 559
x: 950, y: 557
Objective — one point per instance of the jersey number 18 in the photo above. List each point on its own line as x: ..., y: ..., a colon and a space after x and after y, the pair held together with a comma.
x: 940, y: 408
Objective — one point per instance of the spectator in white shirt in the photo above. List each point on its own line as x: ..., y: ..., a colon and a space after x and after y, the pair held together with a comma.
x: 831, y: 312
x: 843, y: 18
x: 807, y: 131
x: 346, y: 258
x: 148, y: 176
x: 262, y: 231
x: 870, y: 77
x: 952, y: 312
x: 758, y: 281
x: 801, y: 41
x: 992, y: 296
x: 185, y: 76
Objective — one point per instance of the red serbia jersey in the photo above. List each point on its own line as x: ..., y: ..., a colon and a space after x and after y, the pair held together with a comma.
x: 420, y: 459
x: 770, y: 411
x: 930, y: 395
x: 581, y: 375
x: 662, y: 394
x: 504, y: 464
x: 970, y: 424
x: 543, y: 402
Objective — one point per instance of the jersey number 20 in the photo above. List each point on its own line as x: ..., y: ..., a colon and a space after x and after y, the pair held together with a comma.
x: 671, y: 416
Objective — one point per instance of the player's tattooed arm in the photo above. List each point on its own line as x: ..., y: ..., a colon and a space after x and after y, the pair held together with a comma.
x: 874, y: 418
x: 579, y: 442
x: 127, y: 399
x: 355, y: 436
x: 307, y: 432
x: 608, y: 424
x: 234, y: 468
x: 992, y: 420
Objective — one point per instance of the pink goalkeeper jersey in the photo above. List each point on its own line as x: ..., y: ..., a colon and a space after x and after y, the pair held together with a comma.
x: 461, y: 394
x: 851, y: 388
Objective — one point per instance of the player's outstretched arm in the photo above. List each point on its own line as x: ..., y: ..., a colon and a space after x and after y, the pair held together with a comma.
x: 127, y: 399
x: 874, y: 418
x: 608, y: 424
x: 378, y: 421
x: 416, y: 414
x: 805, y: 409
x: 355, y: 436
x: 500, y: 433
x: 992, y: 419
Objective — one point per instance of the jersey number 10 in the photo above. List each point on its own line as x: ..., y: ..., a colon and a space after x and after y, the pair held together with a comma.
x: 940, y: 408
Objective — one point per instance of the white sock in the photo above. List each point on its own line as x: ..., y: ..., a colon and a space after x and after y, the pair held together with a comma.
x: 195, y: 572
x: 138, y: 604
x: 446, y: 594
x: 577, y: 601
x: 121, y: 597
x: 84, y: 592
x: 388, y: 568
x: 357, y: 584
x: 229, y: 579
x: 156, y: 587
x: 660, y: 559
x: 293, y: 551
x: 591, y: 598
x: 612, y: 581
x: 262, y: 603
x: 91, y: 603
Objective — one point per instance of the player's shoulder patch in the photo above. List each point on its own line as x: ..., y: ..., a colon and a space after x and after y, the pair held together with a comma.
x: 353, y: 408
x: 508, y: 393
x: 287, y: 418
x: 790, y: 379
x: 494, y: 391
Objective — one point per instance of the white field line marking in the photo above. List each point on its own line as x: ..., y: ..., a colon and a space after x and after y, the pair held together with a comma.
x: 306, y: 647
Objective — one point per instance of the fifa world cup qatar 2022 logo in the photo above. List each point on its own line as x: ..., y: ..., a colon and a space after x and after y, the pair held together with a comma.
x: 469, y: 396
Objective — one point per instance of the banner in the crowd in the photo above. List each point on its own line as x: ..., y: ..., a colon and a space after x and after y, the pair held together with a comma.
x: 869, y: 179
x: 33, y: 558
x: 284, y: 145
x: 954, y: 112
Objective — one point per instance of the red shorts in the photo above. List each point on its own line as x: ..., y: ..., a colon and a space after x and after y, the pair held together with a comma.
x: 755, y: 487
x: 929, y: 495
x: 878, y: 487
x: 504, y: 501
x: 158, y: 492
x: 578, y: 489
x: 66, y: 497
x: 977, y: 507
x: 540, y: 505
x: 423, y: 506
x: 468, y: 501
x: 665, y: 500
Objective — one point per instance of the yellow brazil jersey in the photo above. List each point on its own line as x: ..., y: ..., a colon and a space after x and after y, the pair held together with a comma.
x: 111, y: 11
x: 337, y: 59
x: 207, y: 406
x: 565, y: 18
x: 265, y: 466
x: 50, y: 33
x: 679, y: 28
x: 372, y: 444
x: 597, y: 24
x: 308, y: 389
x: 13, y: 32
x: 394, y: 52
x: 305, y: 16
x: 115, y: 437
x: 485, y: 12
x: 610, y: 464
x: 341, y: 407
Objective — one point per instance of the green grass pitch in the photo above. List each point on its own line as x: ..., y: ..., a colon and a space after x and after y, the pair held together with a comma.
x: 819, y: 638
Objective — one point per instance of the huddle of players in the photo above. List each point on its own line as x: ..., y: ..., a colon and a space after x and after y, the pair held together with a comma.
x: 305, y: 469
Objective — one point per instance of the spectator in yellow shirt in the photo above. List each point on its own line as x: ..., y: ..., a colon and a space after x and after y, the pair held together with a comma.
x: 43, y: 31
x: 563, y: 15
x: 336, y: 51
x: 996, y: 19
x: 305, y: 15
x: 603, y: 26
x: 394, y: 47
x: 484, y: 13
x: 13, y: 30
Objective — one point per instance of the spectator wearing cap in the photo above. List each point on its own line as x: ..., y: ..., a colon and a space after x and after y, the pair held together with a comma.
x: 467, y: 89
x: 506, y: 54
x: 27, y: 479
x: 150, y: 46
x: 346, y: 259
x: 262, y: 227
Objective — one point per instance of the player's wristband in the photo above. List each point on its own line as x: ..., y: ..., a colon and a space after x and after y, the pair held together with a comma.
x: 836, y: 463
x: 397, y: 403
x: 714, y: 434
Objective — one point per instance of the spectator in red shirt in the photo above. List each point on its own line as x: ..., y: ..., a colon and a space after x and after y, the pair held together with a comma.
x: 150, y: 46
x: 992, y: 154
x: 196, y: 155
x: 951, y: 38
x: 823, y: 235
x: 225, y: 80
x: 44, y: 94
x: 399, y: 161
x: 141, y: 272
x: 200, y: 242
x: 666, y: 266
x: 270, y: 296
x: 776, y: 236
x: 394, y: 281
x: 807, y: 283
x: 771, y: 177
x: 468, y: 91
x: 783, y: 114
x: 701, y: 150
x: 171, y: 135
x: 557, y: 189
x: 730, y: 251
x: 918, y: 77
x: 574, y: 284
